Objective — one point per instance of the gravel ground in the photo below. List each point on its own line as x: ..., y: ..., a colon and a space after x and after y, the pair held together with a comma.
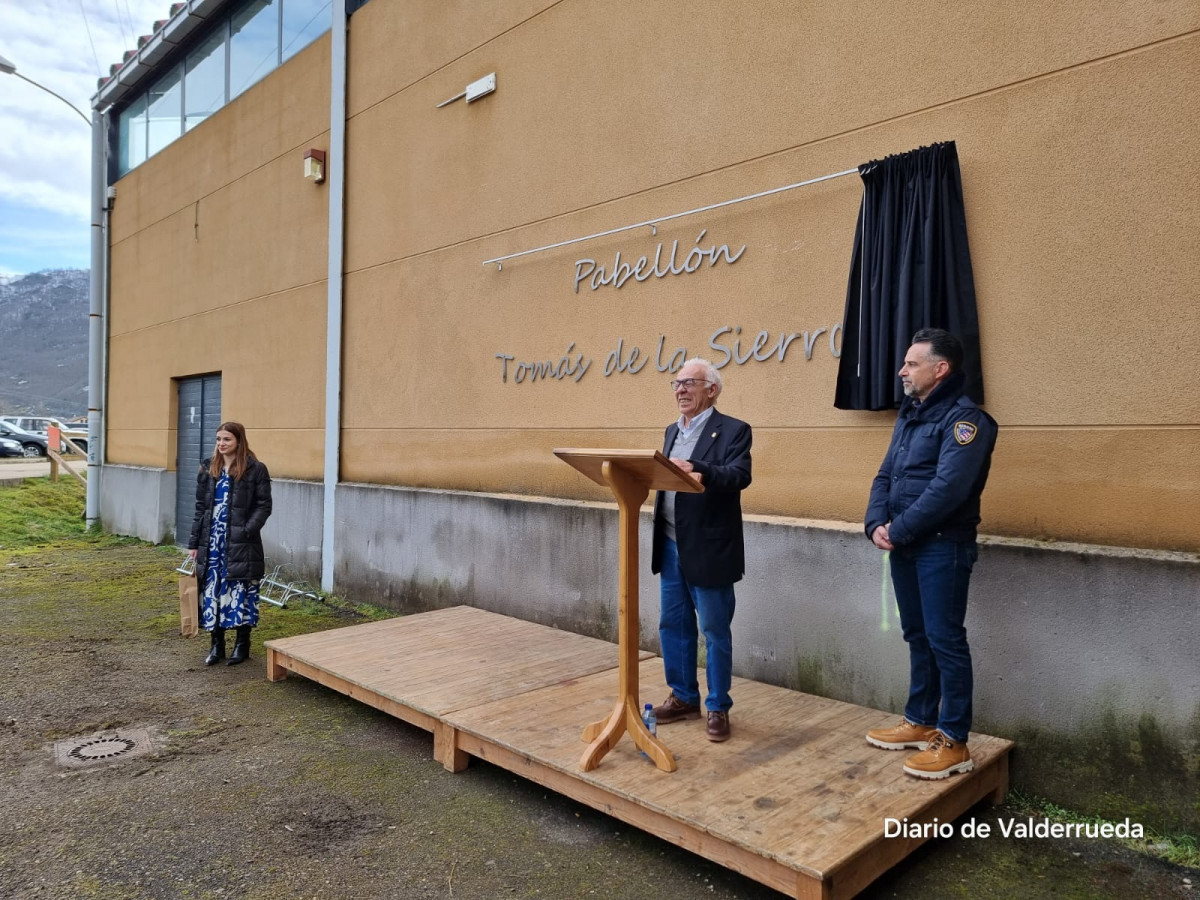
x: 260, y: 790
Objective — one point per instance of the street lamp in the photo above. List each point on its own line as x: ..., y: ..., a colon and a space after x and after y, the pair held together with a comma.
x: 9, y: 68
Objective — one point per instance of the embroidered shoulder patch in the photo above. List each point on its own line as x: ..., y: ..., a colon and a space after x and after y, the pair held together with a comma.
x: 964, y: 432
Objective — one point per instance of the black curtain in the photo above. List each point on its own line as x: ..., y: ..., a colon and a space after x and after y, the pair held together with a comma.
x: 911, y: 269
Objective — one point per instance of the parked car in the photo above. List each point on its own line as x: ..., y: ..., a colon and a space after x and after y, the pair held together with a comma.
x: 9, y: 447
x: 32, y: 445
x: 41, y: 425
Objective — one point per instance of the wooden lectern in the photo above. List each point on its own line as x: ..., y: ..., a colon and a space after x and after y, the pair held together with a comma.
x: 631, y: 475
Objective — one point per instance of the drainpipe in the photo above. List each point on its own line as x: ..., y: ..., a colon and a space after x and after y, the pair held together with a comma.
x: 96, y: 306
x: 333, y: 320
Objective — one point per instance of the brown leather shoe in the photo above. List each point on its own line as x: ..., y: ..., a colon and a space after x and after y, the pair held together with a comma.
x: 718, y: 726
x: 673, y: 709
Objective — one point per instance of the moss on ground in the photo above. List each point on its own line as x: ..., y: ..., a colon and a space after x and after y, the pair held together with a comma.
x: 261, y: 790
x: 1114, y: 767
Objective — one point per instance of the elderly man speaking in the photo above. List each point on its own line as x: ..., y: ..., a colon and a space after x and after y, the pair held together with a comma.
x: 698, y: 548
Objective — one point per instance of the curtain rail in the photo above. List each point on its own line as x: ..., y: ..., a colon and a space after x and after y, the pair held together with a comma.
x: 653, y: 223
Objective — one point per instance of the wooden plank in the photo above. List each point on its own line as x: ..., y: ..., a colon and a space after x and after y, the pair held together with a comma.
x: 858, y: 869
x: 796, y: 799
x: 670, y: 829
x: 650, y: 467
x: 446, y: 749
x: 357, y: 692
x: 454, y: 657
x: 56, y: 461
x: 1000, y: 794
x: 717, y: 794
x: 740, y: 779
x: 275, y: 669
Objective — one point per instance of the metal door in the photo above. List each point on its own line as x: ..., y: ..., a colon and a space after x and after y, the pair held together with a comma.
x: 199, y: 417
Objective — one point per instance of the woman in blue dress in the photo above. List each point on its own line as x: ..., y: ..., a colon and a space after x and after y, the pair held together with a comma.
x: 233, y: 502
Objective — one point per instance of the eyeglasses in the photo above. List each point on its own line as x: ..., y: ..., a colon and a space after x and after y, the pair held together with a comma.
x: 688, y: 383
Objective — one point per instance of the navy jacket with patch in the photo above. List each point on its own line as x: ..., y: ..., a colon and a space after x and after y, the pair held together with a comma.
x: 935, y: 469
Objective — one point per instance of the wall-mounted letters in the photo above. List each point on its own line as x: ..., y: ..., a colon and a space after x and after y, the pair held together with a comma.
x: 621, y: 272
x: 726, y: 345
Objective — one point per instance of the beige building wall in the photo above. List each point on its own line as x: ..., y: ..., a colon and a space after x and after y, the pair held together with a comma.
x: 1075, y: 126
x: 219, y: 262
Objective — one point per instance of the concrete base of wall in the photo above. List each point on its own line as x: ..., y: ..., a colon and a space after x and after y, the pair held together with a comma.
x: 547, y: 561
x: 1066, y: 639
x: 1058, y: 632
x: 292, y: 535
x: 139, y: 501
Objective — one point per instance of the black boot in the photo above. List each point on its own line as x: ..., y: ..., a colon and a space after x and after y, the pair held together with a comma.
x: 241, y: 646
x: 217, y: 653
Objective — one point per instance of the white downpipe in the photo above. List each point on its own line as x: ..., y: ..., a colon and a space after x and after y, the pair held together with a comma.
x: 333, y: 324
x: 96, y: 327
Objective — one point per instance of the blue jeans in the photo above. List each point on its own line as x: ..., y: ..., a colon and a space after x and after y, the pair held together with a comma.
x: 931, y: 582
x: 681, y: 604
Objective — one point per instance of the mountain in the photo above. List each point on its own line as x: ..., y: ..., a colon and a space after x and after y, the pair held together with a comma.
x: 44, y: 343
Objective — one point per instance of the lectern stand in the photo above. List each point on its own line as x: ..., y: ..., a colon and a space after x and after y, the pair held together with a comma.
x: 631, y: 475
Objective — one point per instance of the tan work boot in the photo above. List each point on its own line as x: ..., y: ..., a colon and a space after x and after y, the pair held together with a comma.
x: 904, y: 736
x: 941, y: 759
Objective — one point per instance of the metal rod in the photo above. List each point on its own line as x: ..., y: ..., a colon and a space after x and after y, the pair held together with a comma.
x: 97, y: 321
x: 77, y: 110
x: 654, y: 222
x: 335, y: 287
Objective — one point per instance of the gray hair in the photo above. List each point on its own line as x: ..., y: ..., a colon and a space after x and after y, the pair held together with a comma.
x: 711, y: 372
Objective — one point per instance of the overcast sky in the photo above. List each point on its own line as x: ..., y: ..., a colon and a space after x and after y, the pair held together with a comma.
x: 45, y: 149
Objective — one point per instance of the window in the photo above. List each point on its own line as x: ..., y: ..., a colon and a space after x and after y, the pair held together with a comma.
x: 132, y: 150
x: 303, y: 22
x: 164, y: 111
x: 253, y: 44
x: 241, y: 50
x: 204, y: 83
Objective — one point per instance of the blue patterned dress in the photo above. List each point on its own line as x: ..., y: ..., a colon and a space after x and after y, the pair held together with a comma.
x: 226, y: 602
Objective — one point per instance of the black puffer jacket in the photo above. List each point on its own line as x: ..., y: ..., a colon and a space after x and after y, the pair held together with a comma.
x: 249, y: 509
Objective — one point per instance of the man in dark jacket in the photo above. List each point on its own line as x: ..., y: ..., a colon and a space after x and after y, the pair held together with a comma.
x: 698, y: 548
x: 924, y: 509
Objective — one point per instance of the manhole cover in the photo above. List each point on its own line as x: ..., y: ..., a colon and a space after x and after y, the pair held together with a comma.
x: 105, y: 747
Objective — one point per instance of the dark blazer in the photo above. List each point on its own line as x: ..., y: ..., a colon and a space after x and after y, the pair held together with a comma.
x: 708, y: 526
x: 249, y: 508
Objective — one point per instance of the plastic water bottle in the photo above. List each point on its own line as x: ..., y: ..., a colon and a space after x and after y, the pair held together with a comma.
x: 651, y: 721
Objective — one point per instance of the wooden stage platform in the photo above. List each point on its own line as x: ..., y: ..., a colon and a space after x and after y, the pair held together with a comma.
x: 796, y: 799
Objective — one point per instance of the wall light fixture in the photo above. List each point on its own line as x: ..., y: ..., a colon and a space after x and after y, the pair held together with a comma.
x: 314, y: 165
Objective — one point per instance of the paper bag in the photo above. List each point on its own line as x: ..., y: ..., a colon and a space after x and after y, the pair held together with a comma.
x: 189, y: 606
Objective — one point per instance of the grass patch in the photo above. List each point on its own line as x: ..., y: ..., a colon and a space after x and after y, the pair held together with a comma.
x: 1112, y: 765
x: 1180, y: 848
x: 39, y: 511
